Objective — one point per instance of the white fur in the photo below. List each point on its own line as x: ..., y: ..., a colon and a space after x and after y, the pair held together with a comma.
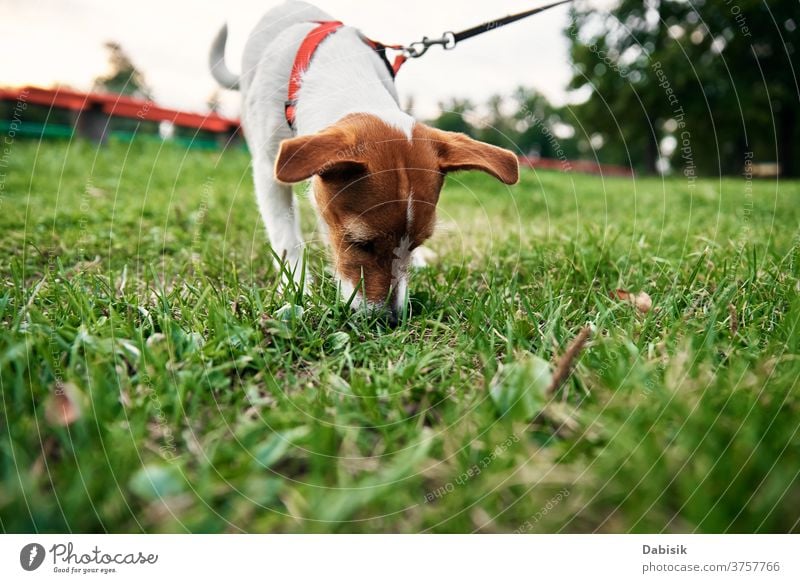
x: 346, y: 289
x: 402, y: 254
x: 359, y: 230
x: 346, y: 76
x: 410, y: 210
x: 401, y: 295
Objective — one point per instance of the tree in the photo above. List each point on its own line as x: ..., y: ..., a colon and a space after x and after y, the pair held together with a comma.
x: 123, y: 76
x: 497, y: 125
x: 708, y: 73
x: 613, y: 53
x: 537, y: 124
x: 525, y: 122
x: 760, y: 42
x: 452, y: 117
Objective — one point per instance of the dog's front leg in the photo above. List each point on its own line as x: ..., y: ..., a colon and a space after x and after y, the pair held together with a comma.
x: 279, y: 211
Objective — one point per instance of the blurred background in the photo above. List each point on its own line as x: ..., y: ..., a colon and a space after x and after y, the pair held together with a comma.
x: 699, y: 87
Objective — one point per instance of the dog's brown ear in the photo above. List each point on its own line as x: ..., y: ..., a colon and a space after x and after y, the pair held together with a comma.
x: 460, y: 152
x: 304, y: 156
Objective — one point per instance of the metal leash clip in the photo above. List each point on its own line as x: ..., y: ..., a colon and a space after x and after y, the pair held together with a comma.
x: 419, y: 48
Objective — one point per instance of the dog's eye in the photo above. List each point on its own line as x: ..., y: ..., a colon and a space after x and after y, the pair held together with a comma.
x: 363, y: 246
x: 344, y: 172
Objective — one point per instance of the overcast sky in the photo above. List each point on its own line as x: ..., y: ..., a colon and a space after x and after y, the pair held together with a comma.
x: 43, y: 42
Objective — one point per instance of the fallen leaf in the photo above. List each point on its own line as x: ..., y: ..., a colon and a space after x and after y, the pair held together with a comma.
x: 276, y: 446
x: 519, y: 389
x: 156, y: 481
x: 289, y: 312
x: 155, y: 339
x: 338, y: 340
x: 63, y: 407
x: 641, y: 300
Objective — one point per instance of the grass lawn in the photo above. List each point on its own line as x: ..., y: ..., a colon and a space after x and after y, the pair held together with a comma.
x: 153, y: 379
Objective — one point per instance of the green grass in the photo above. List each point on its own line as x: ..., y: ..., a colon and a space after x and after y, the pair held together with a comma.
x: 137, y: 280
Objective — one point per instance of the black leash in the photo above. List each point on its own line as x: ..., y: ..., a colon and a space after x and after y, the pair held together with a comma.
x: 450, y: 39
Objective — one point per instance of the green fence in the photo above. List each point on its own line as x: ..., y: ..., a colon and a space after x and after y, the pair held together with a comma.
x: 27, y: 129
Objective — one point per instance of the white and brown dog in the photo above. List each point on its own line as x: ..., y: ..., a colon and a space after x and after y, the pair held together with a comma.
x: 318, y: 100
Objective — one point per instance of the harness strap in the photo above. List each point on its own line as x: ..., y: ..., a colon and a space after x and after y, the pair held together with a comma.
x: 306, y: 52
x: 380, y: 48
x: 449, y: 40
x: 303, y: 59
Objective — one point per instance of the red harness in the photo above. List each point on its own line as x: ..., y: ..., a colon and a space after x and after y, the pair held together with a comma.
x: 310, y: 45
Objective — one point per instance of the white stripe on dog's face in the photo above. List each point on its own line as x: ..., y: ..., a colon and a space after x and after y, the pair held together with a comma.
x: 402, y: 254
x: 410, y: 211
x: 401, y: 295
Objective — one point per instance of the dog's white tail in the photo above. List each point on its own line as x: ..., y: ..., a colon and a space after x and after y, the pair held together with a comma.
x: 216, y: 60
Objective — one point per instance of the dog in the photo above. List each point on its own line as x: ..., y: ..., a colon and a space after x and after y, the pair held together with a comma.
x: 376, y: 172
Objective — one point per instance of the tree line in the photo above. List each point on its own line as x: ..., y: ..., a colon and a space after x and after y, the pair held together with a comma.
x: 699, y: 87
x: 692, y: 86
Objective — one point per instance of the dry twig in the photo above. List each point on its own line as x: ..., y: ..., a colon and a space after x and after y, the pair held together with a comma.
x: 567, y: 360
x: 734, y: 320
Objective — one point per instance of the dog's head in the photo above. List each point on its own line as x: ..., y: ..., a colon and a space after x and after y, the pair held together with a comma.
x: 377, y: 189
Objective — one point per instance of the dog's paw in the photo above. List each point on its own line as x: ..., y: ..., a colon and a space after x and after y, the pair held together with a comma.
x: 422, y: 257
